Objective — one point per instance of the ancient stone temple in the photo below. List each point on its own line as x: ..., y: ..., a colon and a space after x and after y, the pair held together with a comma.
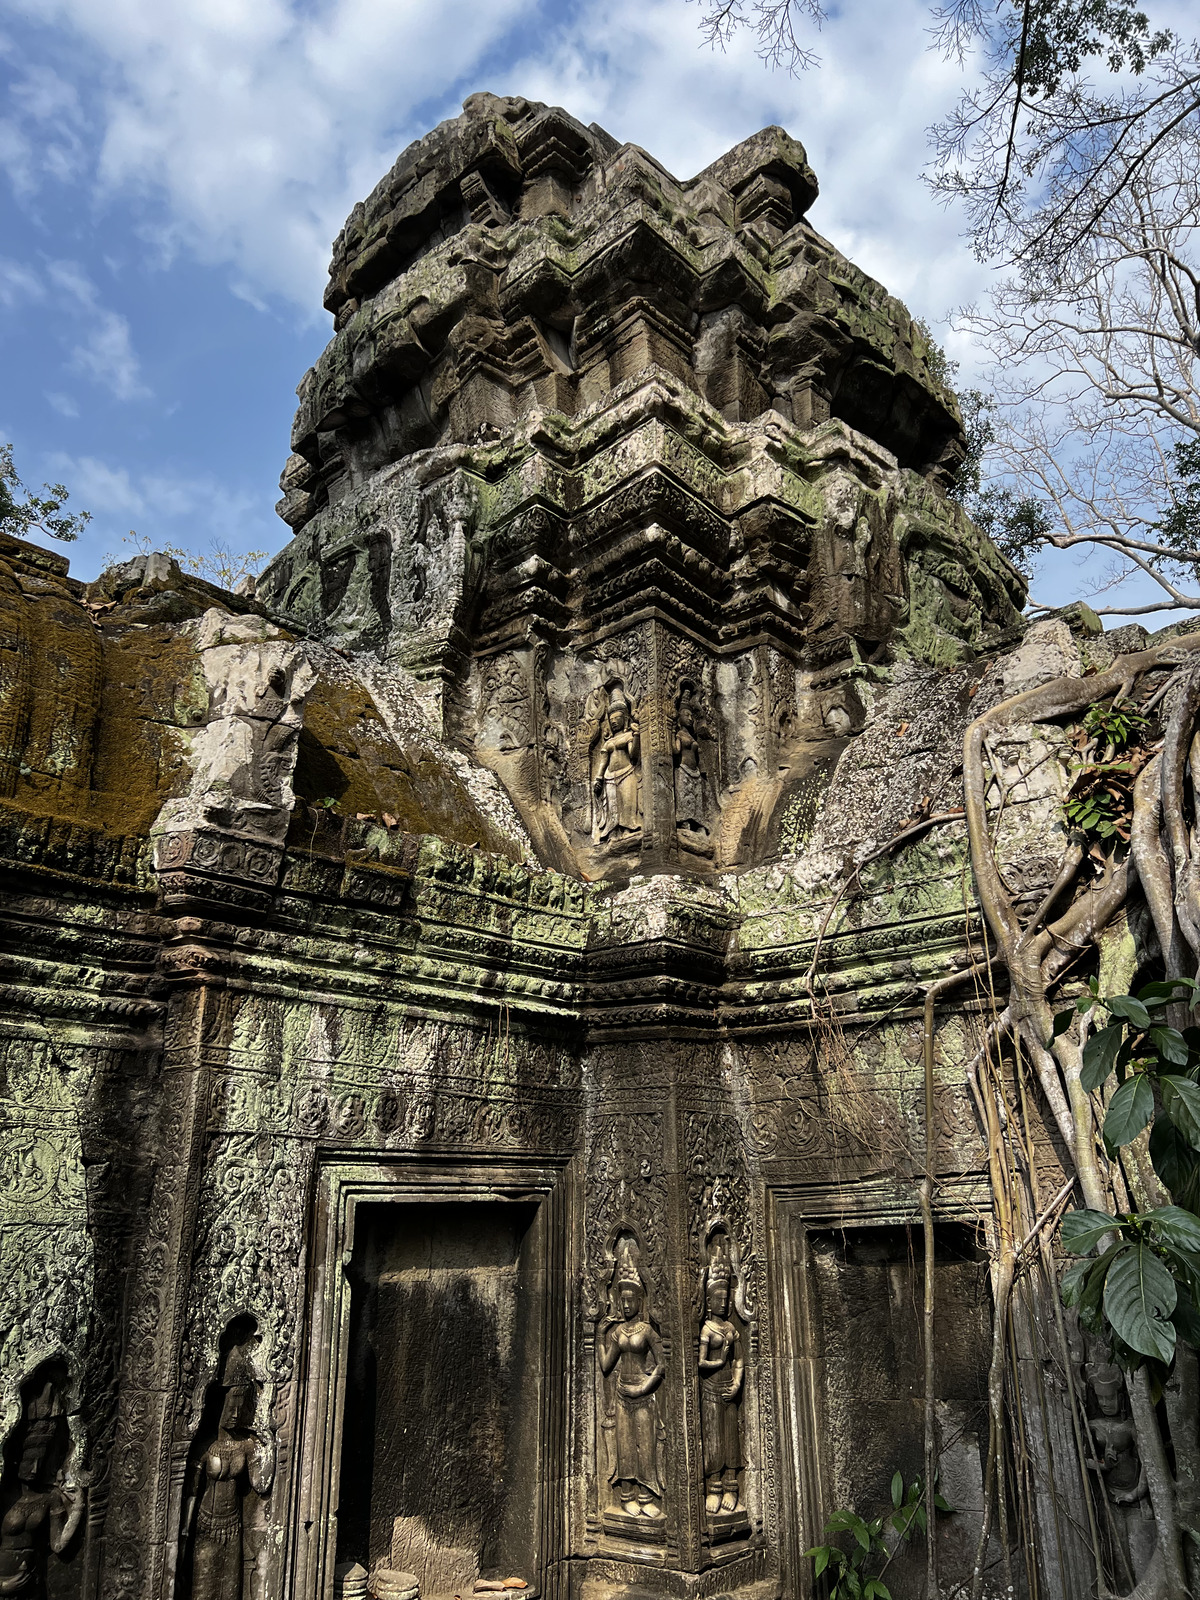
x: 463, y: 1075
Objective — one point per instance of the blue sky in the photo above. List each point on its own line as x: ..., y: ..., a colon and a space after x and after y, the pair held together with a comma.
x: 171, y: 177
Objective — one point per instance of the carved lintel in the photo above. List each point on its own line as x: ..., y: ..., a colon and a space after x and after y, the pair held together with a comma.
x: 206, y: 869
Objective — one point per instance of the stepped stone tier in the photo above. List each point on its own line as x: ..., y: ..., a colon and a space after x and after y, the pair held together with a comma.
x: 462, y: 1110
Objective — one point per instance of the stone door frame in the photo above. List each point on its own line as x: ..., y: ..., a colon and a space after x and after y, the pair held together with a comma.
x: 793, y: 1211
x: 341, y: 1187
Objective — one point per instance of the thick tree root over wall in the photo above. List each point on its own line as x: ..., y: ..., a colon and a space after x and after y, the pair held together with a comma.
x: 1052, y: 944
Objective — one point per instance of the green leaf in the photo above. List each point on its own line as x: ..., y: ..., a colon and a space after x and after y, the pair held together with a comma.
x: 1175, y: 1160
x: 1073, y: 1281
x: 897, y: 1490
x: 1100, y: 1053
x: 1162, y: 993
x: 1139, y: 1296
x: 1181, y: 1102
x: 1129, y: 1110
x: 1062, y: 1022
x: 819, y: 1557
x: 1176, y: 1225
x: 1088, y: 1304
x: 1171, y: 1046
x: 1082, y: 1231
x: 1124, y: 1005
x: 943, y: 1505
x: 877, y: 1590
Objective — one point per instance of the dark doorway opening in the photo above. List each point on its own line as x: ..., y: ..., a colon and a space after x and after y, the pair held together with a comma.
x: 441, y: 1422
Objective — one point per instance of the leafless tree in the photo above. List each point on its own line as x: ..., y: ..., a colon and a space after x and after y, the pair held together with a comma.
x: 773, y: 24
x: 1096, y: 377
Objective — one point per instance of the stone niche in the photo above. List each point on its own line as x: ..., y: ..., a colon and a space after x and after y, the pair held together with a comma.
x: 439, y: 1471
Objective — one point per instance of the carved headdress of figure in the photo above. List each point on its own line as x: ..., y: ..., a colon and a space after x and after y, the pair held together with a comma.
x: 240, y: 1382
x: 627, y: 1273
x: 724, y: 1266
x: 618, y: 705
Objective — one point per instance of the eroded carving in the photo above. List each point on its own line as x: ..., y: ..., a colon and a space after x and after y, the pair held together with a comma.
x: 232, y: 1463
x: 692, y: 796
x: 722, y: 1364
x: 616, y: 752
x: 1119, y: 1467
x: 51, y: 1488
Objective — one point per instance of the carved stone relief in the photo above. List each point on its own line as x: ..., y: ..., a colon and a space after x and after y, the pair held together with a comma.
x: 722, y: 1364
x: 46, y: 1496
x: 1119, y: 1471
x: 632, y: 1370
x: 232, y: 1461
x: 615, y: 764
x: 694, y: 799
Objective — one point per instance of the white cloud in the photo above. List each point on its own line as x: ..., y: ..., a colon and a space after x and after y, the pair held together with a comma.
x: 107, y: 356
x: 43, y: 134
x: 74, y: 282
x: 249, y: 131
x: 255, y: 127
x: 63, y: 404
x: 19, y: 285
x: 105, y: 353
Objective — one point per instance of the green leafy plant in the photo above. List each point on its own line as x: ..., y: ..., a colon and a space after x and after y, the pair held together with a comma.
x: 1117, y: 725
x: 23, y: 513
x: 1142, y: 1290
x: 848, y: 1570
x: 1099, y: 802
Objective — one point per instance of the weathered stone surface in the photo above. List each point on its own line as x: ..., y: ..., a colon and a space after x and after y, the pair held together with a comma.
x: 461, y: 1058
x: 605, y: 439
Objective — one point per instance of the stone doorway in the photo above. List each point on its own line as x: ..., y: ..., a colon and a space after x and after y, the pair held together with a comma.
x: 433, y: 1408
x: 855, y: 1384
x: 439, y: 1462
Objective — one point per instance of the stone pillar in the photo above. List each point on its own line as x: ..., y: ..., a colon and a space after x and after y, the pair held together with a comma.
x: 668, y: 1376
x: 134, y: 1564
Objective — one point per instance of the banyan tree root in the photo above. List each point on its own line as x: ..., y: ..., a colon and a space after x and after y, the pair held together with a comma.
x: 1164, y: 856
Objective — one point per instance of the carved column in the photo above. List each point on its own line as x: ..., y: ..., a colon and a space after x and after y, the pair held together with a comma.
x: 668, y: 1364
x: 133, y: 1560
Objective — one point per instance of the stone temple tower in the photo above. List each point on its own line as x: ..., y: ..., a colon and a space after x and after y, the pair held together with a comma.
x: 462, y: 1030
x: 636, y: 477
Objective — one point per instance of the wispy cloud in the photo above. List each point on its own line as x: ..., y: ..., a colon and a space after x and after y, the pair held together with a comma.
x: 179, y: 509
x: 105, y: 353
x: 251, y: 129
x: 19, y: 285
x: 106, y: 356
